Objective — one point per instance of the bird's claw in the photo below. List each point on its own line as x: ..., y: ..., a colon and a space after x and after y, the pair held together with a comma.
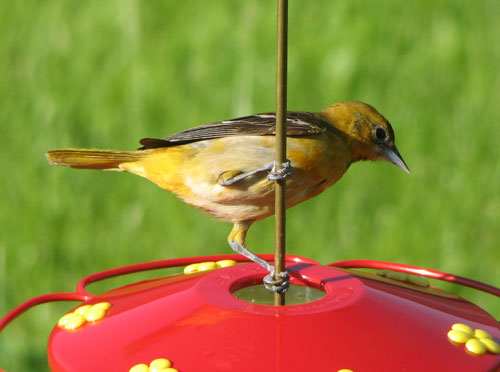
x: 280, y: 171
x: 270, y: 282
x: 278, y: 286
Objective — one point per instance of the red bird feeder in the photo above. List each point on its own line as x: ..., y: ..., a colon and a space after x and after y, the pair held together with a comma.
x: 342, y: 319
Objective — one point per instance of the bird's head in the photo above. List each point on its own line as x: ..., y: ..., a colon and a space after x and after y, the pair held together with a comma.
x: 367, y: 133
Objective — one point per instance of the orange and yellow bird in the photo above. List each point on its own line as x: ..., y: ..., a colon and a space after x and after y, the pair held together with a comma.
x: 222, y: 168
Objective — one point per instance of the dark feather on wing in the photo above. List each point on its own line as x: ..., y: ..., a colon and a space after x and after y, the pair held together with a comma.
x: 298, y: 124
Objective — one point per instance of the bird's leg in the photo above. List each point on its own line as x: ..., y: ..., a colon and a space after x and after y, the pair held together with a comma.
x: 236, y: 241
x: 231, y: 177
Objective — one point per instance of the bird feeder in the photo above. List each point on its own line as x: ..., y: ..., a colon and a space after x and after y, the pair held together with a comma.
x: 211, y: 317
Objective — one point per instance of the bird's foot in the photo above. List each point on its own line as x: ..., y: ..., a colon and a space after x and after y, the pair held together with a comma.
x: 270, y: 282
x: 279, y: 286
x: 276, y: 172
x: 280, y: 171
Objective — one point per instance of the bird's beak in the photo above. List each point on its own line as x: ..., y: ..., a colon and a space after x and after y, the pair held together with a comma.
x: 392, y: 154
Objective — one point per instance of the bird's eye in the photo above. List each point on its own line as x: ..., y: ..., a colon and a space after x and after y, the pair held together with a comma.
x: 380, y: 133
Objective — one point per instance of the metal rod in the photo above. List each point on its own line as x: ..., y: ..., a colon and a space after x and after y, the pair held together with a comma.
x: 280, y: 187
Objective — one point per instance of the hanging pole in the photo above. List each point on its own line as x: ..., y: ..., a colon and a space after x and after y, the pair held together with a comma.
x: 280, y: 187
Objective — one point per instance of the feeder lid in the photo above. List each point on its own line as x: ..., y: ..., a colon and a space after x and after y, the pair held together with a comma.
x: 364, y: 322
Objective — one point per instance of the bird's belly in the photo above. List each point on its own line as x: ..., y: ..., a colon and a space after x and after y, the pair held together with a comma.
x: 192, y: 172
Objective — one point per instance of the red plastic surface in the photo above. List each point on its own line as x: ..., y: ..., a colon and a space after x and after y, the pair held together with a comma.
x: 434, y: 274
x: 82, y: 294
x: 43, y: 299
x: 364, y: 323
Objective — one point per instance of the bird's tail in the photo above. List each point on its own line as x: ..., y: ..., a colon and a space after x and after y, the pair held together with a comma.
x: 93, y: 159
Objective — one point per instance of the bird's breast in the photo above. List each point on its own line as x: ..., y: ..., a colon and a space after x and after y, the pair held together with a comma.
x: 193, y: 171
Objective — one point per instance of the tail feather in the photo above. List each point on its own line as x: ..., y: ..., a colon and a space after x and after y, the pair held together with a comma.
x: 92, y: 159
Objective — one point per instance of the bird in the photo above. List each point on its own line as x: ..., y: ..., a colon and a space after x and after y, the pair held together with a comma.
x: 226, y: 168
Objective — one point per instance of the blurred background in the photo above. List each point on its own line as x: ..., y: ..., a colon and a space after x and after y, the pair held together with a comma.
x: 104, y: 74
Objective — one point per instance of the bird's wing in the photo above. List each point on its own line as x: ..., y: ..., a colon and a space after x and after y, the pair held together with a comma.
x: 298, y: 124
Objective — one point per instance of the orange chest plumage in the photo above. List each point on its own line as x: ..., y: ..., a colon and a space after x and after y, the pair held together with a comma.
x: 193, y: 171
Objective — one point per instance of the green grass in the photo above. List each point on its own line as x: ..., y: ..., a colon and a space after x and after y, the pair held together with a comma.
x: 106, y: 73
